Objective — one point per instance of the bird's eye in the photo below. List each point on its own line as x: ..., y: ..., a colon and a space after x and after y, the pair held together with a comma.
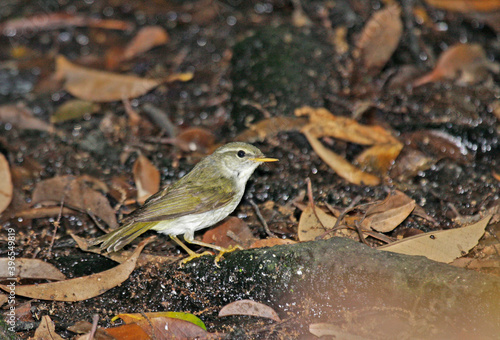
x: 241, y: 154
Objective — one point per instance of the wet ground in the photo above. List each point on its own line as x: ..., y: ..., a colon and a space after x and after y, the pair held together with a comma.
x: 250, y: 61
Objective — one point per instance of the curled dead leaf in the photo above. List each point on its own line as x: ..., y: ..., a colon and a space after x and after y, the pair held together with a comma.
x: 342, y: 167
x: 379, y: 158
x: 323, y: 123
x: 46, y: 330
x: 379, y: 38
x: 389, y: 213
x: 147, y: 38
x: 146, y: 177
x: 249, y: 307
x: 6, y: 186
x: 467, y: 62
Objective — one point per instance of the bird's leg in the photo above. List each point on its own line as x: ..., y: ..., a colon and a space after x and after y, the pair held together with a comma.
x: 189, y: 238
x: 192, y: 254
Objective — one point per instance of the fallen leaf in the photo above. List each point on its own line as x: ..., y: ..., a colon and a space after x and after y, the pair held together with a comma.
x: 410, y: 162
x: 194, y: 139
x: 81, y: 288
x: 146, y: 177
x: 389, y: 213
x: 128, y: 332
x: 441, y: 144
x: 81, y: 327
x: 169, y: 328
x: 20, y: 117
x: 233, y: 231
x: 147, y: 38
x: 53, y: 21
x: 466, y: 6
x: 468, y: 62
x: 332, y: 331
x: 251, y: 308
x: 46, y: 330
x: 443, y: 245
x: 342, y: 167
x: 379, y: 38
x: 271, y: 242
x: 136, y: 317
x: 270, y: 127
x: 31, y: 269
x: 310, y: 227
x: 73, y: 109
x: 322, y: 123
x: 76, y: 194
x: 3, y: 299
x: 6, y: 186
x: 379, y: 158
x: 101, y: 86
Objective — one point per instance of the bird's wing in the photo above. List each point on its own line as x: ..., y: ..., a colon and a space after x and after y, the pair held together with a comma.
x: 180, y: 200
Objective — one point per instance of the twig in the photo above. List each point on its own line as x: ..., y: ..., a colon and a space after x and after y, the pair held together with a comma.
x: 360, y: 233
x: 261, y: 219
x: 311, y: 201
x: 56, y: 226
x: 153, y: 333
x: 93, y: 330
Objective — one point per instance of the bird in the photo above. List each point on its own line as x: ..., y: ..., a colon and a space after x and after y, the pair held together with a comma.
x: 200, y: 199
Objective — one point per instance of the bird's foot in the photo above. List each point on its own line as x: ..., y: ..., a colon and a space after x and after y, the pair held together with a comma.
x: 224, y: 251
x: 193, y: 256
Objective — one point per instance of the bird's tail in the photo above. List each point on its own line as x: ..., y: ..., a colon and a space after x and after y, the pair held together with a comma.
x: 122, y: 236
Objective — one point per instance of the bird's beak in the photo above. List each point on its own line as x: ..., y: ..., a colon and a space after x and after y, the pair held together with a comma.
x: 264, y: 159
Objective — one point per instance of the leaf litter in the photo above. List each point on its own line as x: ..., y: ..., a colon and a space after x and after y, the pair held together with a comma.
x: 82, y: 288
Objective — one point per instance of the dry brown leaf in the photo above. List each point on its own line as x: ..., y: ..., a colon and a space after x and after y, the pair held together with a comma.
x: 270, y: 127
x: 53, y: 21
x: 46, y: 330
x: 31, y: 269
x: 130, y: 331
x: 194, y: 139
x: 440, y: 144
x: 271, y: 242
x: 82, y: 288
x: 410, y: 162
x: 342, y: 167
x: 389, y: 213
x: 101, y: 86
x: 380, y: 38
x: 249, y: 307
x: 76, y: 194
x: 73, y: 109
x: 84, y: 327
x: 147, y: 38
x: 322, y: 123
x: 20, y: 117
x: 233, y: 231
x: 6, y: 186
x: 466, y: 6
x: 379, y: 158
x: 468, y: 62
x: 310, y: 227
x: 443, y: 245
x: 146, y: 177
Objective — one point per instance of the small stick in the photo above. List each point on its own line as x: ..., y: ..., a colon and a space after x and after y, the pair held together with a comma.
x: 261, y: 219
x: 95, y: 319
x: 311, y: 201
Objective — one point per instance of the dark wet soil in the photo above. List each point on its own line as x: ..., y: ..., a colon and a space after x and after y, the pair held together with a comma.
x: 250, y: 62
